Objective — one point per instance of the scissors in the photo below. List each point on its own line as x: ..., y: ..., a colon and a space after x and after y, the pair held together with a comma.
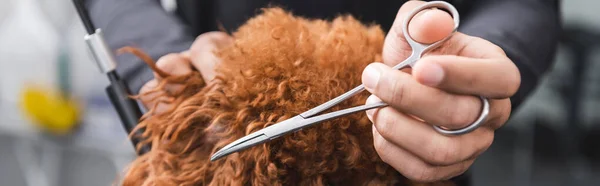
x: 309, y: 117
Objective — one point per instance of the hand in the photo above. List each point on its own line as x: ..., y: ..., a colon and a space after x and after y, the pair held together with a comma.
x: 437, y: 91
x: 200, y: 57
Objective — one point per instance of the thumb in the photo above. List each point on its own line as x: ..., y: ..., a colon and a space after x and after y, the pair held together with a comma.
x: 428, y: 26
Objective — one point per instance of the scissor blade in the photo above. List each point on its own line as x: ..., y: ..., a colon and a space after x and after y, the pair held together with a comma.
x: 259, y: 137
x: 288, y: 126
x: 333, y: 102
x: 240, y: 144
x: 337, y: 114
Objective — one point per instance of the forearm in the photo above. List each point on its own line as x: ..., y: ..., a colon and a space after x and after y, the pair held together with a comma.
x: 527, y: 30
x: 139, y: 23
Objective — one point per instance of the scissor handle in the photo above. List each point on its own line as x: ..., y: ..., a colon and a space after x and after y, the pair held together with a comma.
x: 422, y: 48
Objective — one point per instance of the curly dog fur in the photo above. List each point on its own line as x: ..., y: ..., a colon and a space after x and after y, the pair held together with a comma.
x: 279, y: 66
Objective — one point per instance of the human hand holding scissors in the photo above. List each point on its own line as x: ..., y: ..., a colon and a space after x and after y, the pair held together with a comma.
x: 438, y: 90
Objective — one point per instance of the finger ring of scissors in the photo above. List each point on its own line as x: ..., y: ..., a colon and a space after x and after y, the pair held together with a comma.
x: 310, y: 117
x: 482, y: 116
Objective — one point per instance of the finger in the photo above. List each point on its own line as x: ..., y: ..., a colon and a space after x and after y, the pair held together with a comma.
x: 202, y: 52
x: 495, y: 78
x: 427, y: 26
x: 173, y: 64
x: 147, y: 94
x: 152, y: 99
x: 403, y: 92
x: 431, y: 25
x: 413, y: 167
x: 186, y: 55
x: 423, y: 141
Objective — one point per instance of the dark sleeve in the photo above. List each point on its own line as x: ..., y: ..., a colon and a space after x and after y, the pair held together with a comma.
x: 527, y: 30
x: 139, y: 23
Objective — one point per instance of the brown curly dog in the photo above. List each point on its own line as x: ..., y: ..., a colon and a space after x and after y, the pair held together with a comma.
x: 279, y: 66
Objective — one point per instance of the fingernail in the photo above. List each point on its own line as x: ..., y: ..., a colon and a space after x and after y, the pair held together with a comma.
x: 371, y: 76
x: 431, y: 74
x: 370, y: 100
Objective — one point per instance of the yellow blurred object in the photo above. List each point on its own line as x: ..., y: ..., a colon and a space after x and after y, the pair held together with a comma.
x: 49, y: 110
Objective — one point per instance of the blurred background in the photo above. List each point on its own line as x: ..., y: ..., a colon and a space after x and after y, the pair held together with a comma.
x: 48, y: 81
